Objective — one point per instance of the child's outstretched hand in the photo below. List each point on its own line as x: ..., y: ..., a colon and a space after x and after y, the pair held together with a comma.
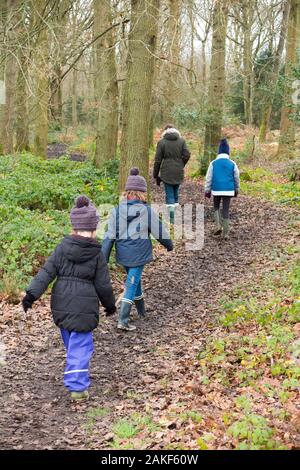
x: 27, y: 302
x: 110, y: 310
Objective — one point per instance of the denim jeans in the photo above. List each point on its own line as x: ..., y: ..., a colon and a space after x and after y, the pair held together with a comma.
x: 79, y: 347
x: 133, y: 284
x: 133, y: 290
x: 172, y: 193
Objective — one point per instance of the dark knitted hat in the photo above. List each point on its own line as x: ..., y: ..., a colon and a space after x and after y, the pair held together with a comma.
x: 224, y: 147
x: 84, y: 215
x: 135, y: 182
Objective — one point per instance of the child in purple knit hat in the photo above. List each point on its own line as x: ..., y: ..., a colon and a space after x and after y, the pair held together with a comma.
x: 82, y: 280
x: 129, y: 228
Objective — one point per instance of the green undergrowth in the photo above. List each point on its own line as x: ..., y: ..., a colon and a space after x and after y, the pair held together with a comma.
x: 259, y: 182
x: 131, y: 432
x: 257, y: 351
x: 36, y: 196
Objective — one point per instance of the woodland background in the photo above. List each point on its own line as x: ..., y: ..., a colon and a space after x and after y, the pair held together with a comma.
x: 85, y: 90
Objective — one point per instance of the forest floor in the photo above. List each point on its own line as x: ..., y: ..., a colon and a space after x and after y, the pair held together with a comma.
x: 150, y: 388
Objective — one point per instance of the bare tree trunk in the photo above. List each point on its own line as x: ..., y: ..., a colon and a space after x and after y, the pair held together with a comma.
x: 60, y: 20
x: 22, y: 117
x: 273, y: 79
x: 203, y: 63
x: 138, y: 88
x: 287, y: 125
x: 10, y: 79
x: 74, y: 100
x: 217, y: 83
x: 192, y: 43
x: 56, y: 96
x: 42, y: 93
x: 247, y: 15
x: 171, y: 79
x: 106, y: 85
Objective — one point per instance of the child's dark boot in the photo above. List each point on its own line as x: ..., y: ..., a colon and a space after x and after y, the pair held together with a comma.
x: 140, y: 307
x: 124, y: 315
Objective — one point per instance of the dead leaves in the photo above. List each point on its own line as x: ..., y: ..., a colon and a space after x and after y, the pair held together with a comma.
x: 155, y: 372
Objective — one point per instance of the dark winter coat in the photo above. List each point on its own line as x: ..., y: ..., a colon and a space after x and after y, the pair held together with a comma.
x: 82, y: 279
x: 171, y: 157
x: 129, y: 228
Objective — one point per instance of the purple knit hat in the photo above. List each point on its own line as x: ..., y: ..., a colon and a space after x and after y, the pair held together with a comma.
x: 135, y: 182
x: 84, y: 215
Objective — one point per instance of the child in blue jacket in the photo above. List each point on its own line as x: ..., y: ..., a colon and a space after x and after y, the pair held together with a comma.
x: 129, y: 228
x: 223, y: 182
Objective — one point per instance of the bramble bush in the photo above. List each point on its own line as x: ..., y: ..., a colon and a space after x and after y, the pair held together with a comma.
x: 35, y: 199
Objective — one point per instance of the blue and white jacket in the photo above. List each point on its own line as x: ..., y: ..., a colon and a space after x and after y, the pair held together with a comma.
x: 223, y: 176
x: 129, y: 229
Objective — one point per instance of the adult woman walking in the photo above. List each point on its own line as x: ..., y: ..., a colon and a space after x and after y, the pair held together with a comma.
x: 172, y: 154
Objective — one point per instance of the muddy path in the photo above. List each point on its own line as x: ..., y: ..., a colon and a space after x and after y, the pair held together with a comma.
x: 141, y: 372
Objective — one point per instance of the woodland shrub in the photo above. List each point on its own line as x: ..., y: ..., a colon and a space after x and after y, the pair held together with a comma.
x: 35, y: 198
x: 263, y: 183
x: 187, y: 118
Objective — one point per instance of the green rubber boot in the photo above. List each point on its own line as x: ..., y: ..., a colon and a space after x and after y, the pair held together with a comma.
x: 172, y: 214
x: 217, y: 217
x: 226, y: 229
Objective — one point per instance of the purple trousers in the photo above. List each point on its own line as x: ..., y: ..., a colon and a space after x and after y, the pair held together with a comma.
x: 79, y: 347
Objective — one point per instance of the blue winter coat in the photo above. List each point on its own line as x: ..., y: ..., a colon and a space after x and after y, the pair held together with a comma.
x: 129, y: 228
x: 222, y: 177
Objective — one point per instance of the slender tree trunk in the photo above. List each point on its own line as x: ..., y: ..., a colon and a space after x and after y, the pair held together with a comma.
x: 287, y: 125
x: 203, y: 64
x: 192, y: 44
x: 10, y: 79
x: 56, y: 96
x: 213, y: 127
x: 121, y: 69
x: 74, y: 100
x: 60, y: 19
x: 247, y: 15
x: 106, y: 85
x: 42, y: 93
x: 22, y: 117
x: 171, y: 89
x: 273, y: 79
x: 138, y: 88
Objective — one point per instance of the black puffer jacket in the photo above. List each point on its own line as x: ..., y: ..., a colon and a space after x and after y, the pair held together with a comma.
x: 82, y: 279
x: 171, y: 157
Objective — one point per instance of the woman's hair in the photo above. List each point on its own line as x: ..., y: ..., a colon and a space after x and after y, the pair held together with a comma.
x: 138, y: 195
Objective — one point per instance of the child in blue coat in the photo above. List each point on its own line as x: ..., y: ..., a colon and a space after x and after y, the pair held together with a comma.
x: 129, y: 228
x: 223, y: 182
